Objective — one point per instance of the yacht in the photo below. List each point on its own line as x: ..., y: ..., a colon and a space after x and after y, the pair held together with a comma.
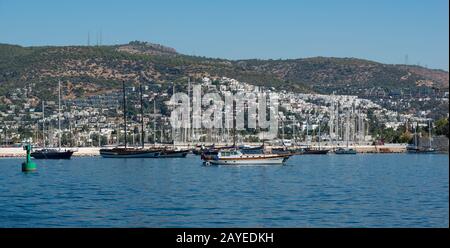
x: 311, y: 151
x: 126, y: 152
x: 316, y: 151
x: 345, y: 150
x: 142, y: 152
x: 52, y: 153
x: 415, y: 148
x: 236, y: 157
x: 173, y: 153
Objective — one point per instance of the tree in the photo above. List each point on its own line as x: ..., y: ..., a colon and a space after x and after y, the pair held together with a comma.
x: 405, y: 137
x: 442, y: 127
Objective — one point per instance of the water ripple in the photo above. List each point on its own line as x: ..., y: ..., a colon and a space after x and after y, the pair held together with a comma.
x: 389, y: 190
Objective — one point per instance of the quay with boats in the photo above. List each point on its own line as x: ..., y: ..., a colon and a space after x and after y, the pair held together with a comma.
x: 216, y: 153
x: 195, y: 150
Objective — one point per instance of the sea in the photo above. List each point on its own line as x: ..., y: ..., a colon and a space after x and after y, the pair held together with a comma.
x: 363, y: 190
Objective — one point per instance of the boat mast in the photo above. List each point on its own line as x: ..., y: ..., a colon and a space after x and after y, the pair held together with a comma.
x: 415, y: 135
x: 154, y: 122
x: 173, y: 94
x: 188, y: 130
x: 319, y: 134
x: 338, y: 136
x: 142, y: 117
x: 294, y: 136
x: 347, y: 126
x: 234, y: 126
x: 331, y: 122
x: 124, y: 112
x: 429, y: 132
x: 59, y: 114
x: 307, y: 131
x: 99, y: 136
x: 43, y: 124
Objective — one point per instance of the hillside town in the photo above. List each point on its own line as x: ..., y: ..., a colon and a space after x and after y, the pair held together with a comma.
x: 97, y: 120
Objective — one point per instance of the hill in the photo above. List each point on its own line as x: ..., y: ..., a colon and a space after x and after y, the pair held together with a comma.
x: 94, y: 69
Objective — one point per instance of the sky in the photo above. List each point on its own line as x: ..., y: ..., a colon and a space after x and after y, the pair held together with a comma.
x: 387, y: 31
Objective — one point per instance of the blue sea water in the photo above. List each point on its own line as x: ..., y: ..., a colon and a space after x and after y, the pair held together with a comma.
x: 364, y: 190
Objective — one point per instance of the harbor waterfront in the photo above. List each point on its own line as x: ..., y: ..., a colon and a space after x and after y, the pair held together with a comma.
x: 224, y: 124
x: 94, y: 151
x: 363, y: 190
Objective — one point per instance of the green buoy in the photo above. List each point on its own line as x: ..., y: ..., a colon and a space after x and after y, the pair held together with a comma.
x: 28, y: 165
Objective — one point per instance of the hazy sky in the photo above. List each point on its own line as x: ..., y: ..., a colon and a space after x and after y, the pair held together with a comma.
x: 382, y: 30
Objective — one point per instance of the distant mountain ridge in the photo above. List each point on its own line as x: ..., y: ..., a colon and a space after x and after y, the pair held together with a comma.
x: 146, y: 48
x: 92, y: 69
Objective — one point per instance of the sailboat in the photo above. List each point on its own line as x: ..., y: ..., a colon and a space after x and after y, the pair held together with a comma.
x: 309, y: 151
x: 127, y: 152
x: 430, y: 148
x: 347, y: 149
x: 52, y: 153
x: 168, y: 152
x: 142, y: 152
x: 415, y: 147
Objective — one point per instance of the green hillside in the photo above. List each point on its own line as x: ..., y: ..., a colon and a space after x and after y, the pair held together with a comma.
x: 94, y: 69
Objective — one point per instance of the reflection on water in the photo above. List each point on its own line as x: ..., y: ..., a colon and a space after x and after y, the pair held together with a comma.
x: 386, y: 190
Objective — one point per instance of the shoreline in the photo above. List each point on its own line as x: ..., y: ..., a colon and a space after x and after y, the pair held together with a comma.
x: 8, y: 152
x: 18, y: 152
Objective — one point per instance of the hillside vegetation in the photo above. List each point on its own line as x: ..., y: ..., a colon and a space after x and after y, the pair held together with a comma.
x: 94, y: 69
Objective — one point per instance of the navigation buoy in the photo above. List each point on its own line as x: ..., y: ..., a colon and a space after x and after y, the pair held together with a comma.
x: 28, y: 165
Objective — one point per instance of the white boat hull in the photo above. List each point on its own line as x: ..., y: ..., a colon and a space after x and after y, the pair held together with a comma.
x: 236, y: 157
x: 265, y: 161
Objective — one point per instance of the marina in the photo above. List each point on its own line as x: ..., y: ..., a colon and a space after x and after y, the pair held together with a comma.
x: 94, y: 151
x: 220, y: 114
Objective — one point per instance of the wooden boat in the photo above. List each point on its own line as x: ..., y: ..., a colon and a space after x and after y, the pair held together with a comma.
x: 309, y: 151
x: 122, y: 152
x: 281, y: 151
x: 48, y: 153
x: 170, y: 153
x: 142, y: 152
x: 414, y: 148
